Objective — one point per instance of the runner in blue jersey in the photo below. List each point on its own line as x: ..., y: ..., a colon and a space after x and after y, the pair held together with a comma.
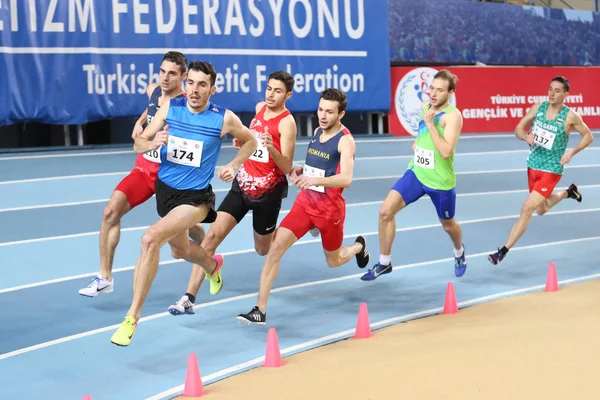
x: 188, y: 133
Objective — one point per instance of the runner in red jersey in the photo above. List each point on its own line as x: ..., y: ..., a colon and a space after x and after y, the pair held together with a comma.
x: 260, y: 184
x: 327, y: 171
x: 138, y: 186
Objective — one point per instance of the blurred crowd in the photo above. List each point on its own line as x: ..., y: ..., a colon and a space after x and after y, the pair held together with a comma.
x: 459, y: 31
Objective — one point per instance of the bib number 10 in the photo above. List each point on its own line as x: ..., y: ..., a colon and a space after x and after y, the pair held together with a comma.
x: 153, y: 155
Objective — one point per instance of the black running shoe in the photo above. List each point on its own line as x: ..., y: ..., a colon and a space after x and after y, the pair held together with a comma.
x: 255, y: 316
x: 496, y: 257
x: 362, y: 258
x: 573, y: 193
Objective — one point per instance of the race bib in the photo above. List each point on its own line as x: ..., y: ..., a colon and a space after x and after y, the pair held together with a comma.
x: 153, y: 156
x: 184, y: 151
x: 544, y: 138
x: 261, y: 154
x: 313, y: 172
x: 424, y: 158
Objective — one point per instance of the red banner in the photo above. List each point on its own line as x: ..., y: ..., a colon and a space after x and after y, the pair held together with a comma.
x: 491, y: 99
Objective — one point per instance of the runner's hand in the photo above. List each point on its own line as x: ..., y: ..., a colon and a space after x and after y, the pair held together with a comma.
x: 237, y: 143
x: 530, y: 138
x: 304, y: 182
x: 226, y: 173
x: 160, y: 139
x: 294, y: 173
x: 267, y: 139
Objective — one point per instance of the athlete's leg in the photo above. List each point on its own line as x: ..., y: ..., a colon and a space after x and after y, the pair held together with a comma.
x: 532, y: 202
x: 571, y: 193
x: 405, y: 191
x: 444, y: 202
x: 174, y: 225
x: 541, y: 186
x: 110, y: 231
x: 332, y: 237
x: 133, y: 190
x: 264, y: 222
x: 293, y: 227
x: 214, y: 237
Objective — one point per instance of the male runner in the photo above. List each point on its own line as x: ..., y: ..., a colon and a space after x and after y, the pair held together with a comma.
x: 138, y: 186
x: 188, y: 132
x: 260, y: 184
x: 327, y: 171
x: 430, y: 172
x: 551, y: 123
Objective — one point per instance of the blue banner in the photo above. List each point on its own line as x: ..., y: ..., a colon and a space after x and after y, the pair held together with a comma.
x: 76, y: 61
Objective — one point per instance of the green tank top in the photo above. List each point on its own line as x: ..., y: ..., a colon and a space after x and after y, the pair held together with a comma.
x: 550, y: 142
x: 429, y: 166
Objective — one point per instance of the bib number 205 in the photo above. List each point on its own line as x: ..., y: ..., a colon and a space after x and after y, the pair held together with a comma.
x: 424, y: 158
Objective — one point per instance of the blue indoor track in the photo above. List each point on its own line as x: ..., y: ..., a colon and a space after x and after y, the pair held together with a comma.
x: 56, y: 344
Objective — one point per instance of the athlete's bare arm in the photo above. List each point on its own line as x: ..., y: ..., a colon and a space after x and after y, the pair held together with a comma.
x: 153, y: 136
x: 575, y: 121
x: 287, y: 139
x: 453, y: 123
x: 138, y: 127
x: 520, y: 130
x: 347, y: 150
x: 233, y: 125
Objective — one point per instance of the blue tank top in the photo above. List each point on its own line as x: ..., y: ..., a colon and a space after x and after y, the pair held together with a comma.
x: 190, y: 156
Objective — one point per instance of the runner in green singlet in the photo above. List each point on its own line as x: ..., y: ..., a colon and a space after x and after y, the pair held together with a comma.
x: 551, y: 123
x: 430, y: 172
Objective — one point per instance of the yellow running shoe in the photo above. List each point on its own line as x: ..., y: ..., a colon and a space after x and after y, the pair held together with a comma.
x: 123, y: 335
x: 216, y: 282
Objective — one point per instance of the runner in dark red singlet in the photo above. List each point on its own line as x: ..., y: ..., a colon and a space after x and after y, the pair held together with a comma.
x: 260, y: 184
x: 327, y: 171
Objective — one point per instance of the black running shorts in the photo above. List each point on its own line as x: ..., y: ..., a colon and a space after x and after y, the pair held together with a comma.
x: 167, y: 198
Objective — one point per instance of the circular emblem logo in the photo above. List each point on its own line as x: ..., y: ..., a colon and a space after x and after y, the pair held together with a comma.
x: 411, y: 92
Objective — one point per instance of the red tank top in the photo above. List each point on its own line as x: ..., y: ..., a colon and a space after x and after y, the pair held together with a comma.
x: 323, y: 159
x: 259, y: 178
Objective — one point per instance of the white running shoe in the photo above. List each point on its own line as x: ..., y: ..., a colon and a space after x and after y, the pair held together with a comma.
x: 97, y: 286
x: 314, y: 231
x: 182, y: 306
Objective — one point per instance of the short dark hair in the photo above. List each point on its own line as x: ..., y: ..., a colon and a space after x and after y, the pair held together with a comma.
x: 285, y: 77
x: 448, y: 76
x: 336, y: 95
x: 205, y: 67
x: 177, y: 58
x: 565, y: 82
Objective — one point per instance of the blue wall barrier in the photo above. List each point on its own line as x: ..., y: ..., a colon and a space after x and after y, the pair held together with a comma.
x: 77, y: 61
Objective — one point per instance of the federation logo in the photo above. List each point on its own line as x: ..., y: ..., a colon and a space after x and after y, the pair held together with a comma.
x: 411, y: 92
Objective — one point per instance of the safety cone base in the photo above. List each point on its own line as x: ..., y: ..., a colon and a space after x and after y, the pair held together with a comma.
x: 551, y: 279
x: 363, y: 325
x: 450, y: 305
x: 273, y: 354
x: 193, y: 387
